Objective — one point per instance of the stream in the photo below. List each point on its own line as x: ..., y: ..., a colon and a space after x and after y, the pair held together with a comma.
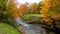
x: 31, y: 28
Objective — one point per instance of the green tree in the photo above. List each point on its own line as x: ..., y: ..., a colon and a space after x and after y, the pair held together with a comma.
x: 3, y: 4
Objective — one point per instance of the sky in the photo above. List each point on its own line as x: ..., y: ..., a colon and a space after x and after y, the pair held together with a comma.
x: 29, y: 1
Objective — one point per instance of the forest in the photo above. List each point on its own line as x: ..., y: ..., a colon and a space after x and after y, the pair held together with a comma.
x: 46, y: 14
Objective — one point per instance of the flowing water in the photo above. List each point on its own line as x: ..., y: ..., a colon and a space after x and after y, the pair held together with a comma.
x: 31, y: 28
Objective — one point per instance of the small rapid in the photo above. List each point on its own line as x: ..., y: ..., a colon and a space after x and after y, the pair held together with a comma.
x: 31, y: 28
x: 21, y: 22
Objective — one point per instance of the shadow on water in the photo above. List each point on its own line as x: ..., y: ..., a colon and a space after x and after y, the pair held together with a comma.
x: 31, y: 28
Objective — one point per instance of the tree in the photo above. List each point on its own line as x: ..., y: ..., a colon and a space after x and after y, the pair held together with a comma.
x: 46, y: 6
x: 24, y: 9
x: 33, y: 8
x: 8, y: 11
x: 13, y: 8
x: 52, y: 11
x: 3, y: 5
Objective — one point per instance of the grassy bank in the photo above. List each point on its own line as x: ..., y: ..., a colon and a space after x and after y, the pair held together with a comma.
x: 7, y: 29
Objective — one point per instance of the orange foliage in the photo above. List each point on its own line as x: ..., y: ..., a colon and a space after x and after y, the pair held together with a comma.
x: 46, y: 6
x: 47, y: 20
x: 13, y: 8
x: 56, y: 17
x: 24, y: 9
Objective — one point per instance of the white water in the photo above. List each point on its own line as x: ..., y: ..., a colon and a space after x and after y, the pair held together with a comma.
x: 20, y: 21
x: 30, y: 29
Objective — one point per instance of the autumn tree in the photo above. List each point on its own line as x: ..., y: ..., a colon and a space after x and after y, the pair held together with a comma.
x: 46, y: 6
x: 10, y: 13
x: 39, y: 7
x: 54, y: 9
x: 33, y: 8
x: 50, y: 9
x: 13, y: 8
x: 23, y: 9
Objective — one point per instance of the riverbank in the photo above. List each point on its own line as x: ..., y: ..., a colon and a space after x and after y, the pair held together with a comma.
x: 7, y: 29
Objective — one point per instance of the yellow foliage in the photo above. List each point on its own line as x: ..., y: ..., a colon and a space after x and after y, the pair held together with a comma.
x: 16, y: 12
x: 46, y: 6
x: 56, y: 17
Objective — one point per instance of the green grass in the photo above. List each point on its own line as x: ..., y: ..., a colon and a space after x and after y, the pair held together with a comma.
x: 7, y: 29
x: 32, y: 17
x: 36, y: 15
